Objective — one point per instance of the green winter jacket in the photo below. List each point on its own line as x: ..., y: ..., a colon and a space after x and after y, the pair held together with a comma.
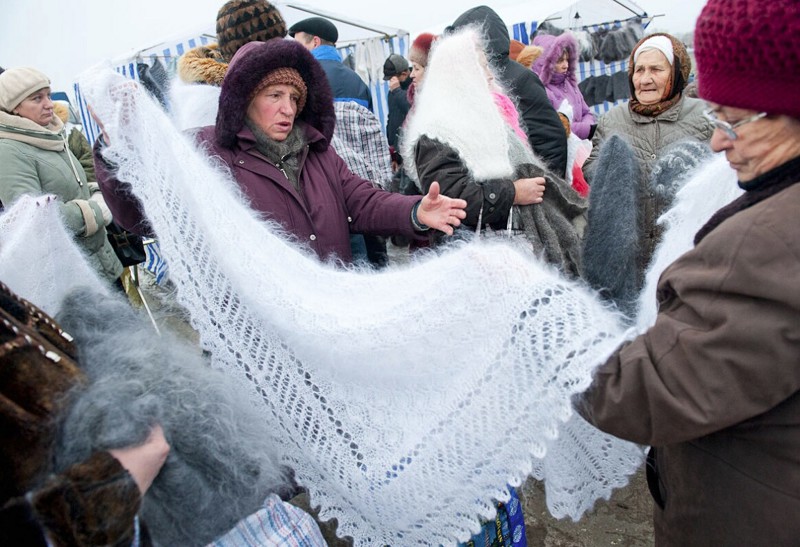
x: 35, y: 160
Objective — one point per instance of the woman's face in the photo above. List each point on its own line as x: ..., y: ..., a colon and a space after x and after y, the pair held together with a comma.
x: 418, y: 74
x: 484, y: 64
x: 273, y: 110
x: 651, y: 75
x: 760, y: 145
x: 562, y: 65
x: 37, y: 107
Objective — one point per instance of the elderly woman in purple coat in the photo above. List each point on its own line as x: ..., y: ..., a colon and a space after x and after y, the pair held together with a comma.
x: 273, y: 131
x: 556, y: 67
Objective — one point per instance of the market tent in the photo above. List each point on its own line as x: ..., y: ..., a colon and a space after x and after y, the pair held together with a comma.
x: 595, y: 19
x: 589, y: 16
x: 365, y: 45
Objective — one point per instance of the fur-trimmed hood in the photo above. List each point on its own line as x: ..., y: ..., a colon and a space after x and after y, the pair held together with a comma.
x: 554, y: 47
x: 202, y: 65
x: 246, y: 70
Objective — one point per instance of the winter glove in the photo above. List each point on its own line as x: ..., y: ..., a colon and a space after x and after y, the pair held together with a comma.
x: 97, y: 198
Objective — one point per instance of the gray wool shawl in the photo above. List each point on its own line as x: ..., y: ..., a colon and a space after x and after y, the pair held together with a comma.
x: 549, y: 226
x: 222, y: 462
x: 622, y: 231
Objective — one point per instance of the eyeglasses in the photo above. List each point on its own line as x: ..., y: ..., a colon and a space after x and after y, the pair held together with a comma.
x: 727, y: 128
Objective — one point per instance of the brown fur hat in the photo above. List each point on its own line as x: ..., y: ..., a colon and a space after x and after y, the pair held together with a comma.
x: 61, y: 110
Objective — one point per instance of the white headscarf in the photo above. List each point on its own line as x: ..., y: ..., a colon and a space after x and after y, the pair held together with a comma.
x: 661, y: 43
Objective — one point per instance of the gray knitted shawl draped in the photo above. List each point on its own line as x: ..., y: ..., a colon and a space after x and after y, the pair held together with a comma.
x: 548, y: 226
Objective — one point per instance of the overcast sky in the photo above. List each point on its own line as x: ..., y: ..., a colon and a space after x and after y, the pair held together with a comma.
x: 63, y: 37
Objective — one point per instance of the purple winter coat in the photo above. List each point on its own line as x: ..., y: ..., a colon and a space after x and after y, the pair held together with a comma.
x: 563, y: 86
x: 334, y: 200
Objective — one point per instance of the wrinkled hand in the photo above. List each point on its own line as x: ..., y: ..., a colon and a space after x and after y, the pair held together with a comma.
x: 144, y: 461
x: 441, y: 212
x: 394, y: 83
x: 529, y: 191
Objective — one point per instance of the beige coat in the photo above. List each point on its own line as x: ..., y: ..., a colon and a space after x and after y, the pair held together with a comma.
x: 651, y: 136
x: 715, y: 384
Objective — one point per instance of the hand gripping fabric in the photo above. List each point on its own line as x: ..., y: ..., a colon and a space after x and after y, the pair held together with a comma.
x: 388, y: 390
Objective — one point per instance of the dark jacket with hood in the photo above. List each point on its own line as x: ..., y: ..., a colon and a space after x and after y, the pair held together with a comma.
x: 539, y: 119
x: 331, y: 200
x: 399, y: 106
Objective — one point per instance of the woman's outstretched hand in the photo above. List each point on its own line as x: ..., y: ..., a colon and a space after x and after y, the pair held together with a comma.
x: 441, y: 212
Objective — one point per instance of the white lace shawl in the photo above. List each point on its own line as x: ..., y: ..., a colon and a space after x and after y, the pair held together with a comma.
x: 405, y: 400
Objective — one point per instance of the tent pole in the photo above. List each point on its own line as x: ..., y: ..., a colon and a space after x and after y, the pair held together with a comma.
x: 628, y: 8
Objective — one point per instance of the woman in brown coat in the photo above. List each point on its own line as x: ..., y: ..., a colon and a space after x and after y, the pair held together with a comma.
x: 714, y: 385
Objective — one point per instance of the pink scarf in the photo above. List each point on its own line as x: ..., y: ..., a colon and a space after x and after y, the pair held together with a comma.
x: 509, y: 113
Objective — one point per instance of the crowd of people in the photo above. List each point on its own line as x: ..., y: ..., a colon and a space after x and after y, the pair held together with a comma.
x: 713, y: 387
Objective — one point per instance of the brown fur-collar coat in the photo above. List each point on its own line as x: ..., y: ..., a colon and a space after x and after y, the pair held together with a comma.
x: 91, y: 503
x: 202, y: 65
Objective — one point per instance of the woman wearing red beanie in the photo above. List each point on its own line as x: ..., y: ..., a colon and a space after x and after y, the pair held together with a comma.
x: 714, y: 385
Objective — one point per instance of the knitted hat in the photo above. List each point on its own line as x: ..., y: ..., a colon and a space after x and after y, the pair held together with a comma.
x: 316, y: 26
x: 287, y: 76
x: 681, y: 63
x: 17, y: 83
x: 394, y: 65
x: 748, y: 54
x: 420, y: 48
x: 243, y: 21
x: 247, y: 71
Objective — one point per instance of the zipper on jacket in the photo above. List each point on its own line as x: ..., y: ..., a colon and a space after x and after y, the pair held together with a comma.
x: 279, y: 165
x: 71, y: 163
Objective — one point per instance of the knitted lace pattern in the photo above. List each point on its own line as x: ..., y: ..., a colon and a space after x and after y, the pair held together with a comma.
x: 405, y: 400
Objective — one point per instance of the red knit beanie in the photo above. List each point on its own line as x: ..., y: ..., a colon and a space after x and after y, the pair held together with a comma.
x: 420, y: 48
x: 748, y: 54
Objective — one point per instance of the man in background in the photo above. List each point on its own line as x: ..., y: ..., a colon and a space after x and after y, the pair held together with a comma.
x: 319, y: 36
x: 358, y: 136
x: 397, y: 71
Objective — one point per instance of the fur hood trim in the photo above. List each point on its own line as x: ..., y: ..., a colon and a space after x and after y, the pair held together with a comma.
x: 202, y: 65
x: 250, y: 65
x: 554, y: 47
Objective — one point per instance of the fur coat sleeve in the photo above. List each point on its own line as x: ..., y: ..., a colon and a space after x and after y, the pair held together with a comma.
x: 92, y: 503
